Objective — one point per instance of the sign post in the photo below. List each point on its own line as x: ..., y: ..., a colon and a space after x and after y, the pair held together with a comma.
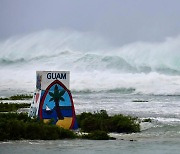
x: 53, y: 100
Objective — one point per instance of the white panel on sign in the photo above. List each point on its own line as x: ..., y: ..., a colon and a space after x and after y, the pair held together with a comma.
x: 45, y: 78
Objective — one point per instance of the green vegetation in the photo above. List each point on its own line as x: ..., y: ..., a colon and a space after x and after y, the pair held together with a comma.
x: 140, y: 101
x: 18, y: 97
x: 147, y: 120
x: 15, y: 126
x: 101, y: 121
x: 97, y: 135
x: 5, y: 107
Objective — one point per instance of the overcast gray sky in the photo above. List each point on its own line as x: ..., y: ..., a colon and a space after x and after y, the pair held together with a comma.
x: 120, y: 21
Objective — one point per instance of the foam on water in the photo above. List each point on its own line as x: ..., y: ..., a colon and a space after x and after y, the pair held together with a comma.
x: 95, y: 65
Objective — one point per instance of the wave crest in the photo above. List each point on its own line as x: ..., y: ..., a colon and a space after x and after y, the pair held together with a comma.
x: 147, y: 68
x: 116, y: 90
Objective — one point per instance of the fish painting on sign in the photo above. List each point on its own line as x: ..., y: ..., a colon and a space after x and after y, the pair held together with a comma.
x: 57, y: 104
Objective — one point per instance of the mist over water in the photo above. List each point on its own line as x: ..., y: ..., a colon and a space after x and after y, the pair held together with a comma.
x: 95, y: 65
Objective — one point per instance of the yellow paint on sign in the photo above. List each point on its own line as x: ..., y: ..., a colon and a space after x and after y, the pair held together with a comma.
x: 66, y: 123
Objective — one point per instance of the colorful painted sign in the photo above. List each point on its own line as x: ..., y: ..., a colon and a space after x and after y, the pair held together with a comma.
x: 53, y: 100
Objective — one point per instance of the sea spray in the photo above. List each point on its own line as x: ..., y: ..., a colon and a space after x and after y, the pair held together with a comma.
x: 95, y: 65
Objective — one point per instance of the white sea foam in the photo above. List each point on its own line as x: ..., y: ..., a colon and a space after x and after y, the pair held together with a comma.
x: 147, y: 68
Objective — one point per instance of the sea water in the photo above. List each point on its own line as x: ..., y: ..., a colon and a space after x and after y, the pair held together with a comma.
x: 162, y: 135
x: 139, y: 79
x: 91, y: 147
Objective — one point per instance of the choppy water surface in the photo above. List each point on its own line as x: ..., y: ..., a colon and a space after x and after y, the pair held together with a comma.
x: 90, y: 147
x: 162, y: 135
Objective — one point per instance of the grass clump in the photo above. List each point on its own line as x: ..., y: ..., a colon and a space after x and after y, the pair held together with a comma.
x: 18, y: 97
x: 14, y: 126
x: 97, y: 135
x: 147, y: 120
x: 101, y: 121
x: 5, y: 107
x: 140, y: 101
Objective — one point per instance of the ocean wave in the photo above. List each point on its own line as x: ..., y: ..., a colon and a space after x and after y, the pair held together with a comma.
x: 87, y: 52
x: 140, y: 67
x: 11, y: 62
x: 116, y: 90
x: 103, y: 62
x: 37, y: 58
x: 89, y: 62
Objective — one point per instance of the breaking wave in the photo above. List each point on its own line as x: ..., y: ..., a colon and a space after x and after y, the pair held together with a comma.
x: 116, y: 90
x: 95, y: 65
x: 93, y: 61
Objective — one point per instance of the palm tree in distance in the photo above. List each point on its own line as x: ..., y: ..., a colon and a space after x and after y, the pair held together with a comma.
x: 56, y: 97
